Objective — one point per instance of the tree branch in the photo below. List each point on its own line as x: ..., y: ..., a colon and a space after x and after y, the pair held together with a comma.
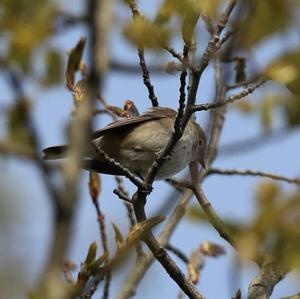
x: 248, y: 172
x: 119, y: 167
x: 212, y: 216
x: 263, y: 284
x: 177, y: 252
x: 230, y: 99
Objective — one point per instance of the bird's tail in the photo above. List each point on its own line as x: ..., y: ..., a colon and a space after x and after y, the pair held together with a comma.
x: 55, y: 152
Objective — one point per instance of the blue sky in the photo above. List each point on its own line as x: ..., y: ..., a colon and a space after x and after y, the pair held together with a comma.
x: 25, y: 231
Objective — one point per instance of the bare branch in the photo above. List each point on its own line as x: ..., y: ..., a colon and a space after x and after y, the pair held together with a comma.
x: 174, y: 53
x: 177, y: 252
x: 248, y: 172
x: 263, y: 284
x: 212, y: 216
x: 146, y: 77
x: 230, y: 99
x: 119, y: 167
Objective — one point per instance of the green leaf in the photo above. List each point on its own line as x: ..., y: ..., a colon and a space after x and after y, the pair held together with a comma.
x: 91, y: 255
x: 118, y: 236
x: 94, y: 267
x: 140, y: 229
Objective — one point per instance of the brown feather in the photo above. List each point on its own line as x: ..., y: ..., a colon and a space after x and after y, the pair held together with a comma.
x: 152, y: 114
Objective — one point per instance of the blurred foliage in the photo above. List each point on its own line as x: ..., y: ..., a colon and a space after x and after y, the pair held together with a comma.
x: 18, y: 122
x: 274, y: 229
x: 26, y: 24
x: 267, y: 106
x: 54, y: 61
x: 144, y: 34
x: 265, y: 18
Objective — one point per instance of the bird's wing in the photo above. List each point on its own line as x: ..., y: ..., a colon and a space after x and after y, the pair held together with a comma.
x: 154, y: 113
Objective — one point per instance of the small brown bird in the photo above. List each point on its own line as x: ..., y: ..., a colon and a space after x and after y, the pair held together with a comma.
x: 137, y: 141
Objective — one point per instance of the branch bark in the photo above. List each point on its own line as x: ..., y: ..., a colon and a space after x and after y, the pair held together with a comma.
x: 263, y: 284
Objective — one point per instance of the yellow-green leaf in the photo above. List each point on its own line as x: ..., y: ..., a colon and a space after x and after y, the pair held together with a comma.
x: 118, y: 236
x: 138, y: 230
x: 93, y: 267
x: 91, y: 255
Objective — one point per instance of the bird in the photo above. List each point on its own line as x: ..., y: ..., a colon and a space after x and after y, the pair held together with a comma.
x: 136, y: 142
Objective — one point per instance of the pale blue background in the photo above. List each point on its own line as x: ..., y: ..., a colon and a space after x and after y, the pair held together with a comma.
x: 26, y: 214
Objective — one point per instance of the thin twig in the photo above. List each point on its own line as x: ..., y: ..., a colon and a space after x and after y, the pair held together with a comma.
x: 146, y: 78
x: 244, y: 83
x: 122, y: 196
x: 174, y: 53
x: 248, y: 172
x: 183, y: 76
x: 177, y: 252
x: 119, y: 167
x: 212, y: 216
x: 245, y: 92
